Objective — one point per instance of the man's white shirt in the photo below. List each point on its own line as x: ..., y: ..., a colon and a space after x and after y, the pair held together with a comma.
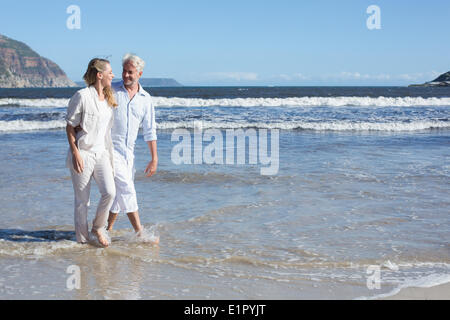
x: 129, y: 116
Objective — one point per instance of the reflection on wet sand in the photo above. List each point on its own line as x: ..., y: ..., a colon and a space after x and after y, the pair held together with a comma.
x: 117, y: 272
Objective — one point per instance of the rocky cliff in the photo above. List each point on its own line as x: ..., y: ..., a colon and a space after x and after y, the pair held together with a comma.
x: 442, y: 81
x: 21, y: 67
x: 443, y: 77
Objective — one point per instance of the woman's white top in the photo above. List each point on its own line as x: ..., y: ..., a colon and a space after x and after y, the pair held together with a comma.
x: 86, y: 110
x: 102, y: 126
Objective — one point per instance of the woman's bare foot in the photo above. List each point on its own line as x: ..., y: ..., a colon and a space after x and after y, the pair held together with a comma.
x: 145, y: 238
x: 101, y: 238
x: 155, y: 240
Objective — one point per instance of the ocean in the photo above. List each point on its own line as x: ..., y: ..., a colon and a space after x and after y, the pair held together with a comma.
x: 260, y: 193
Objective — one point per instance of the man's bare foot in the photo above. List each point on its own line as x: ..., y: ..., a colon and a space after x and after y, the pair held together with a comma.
x: 101, y: 238
x: 111, y: 219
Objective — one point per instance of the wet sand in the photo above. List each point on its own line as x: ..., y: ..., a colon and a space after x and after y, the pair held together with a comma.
x: 440, y: 292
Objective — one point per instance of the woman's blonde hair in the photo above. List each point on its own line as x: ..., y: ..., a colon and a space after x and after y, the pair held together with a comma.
x: 95, y: 66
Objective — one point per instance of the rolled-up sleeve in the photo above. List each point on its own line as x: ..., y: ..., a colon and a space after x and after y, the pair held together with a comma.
x: 74, y: 110
x: 149, y: 123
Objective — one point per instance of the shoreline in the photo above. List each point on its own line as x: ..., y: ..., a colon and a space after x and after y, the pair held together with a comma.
x: 438, y: 292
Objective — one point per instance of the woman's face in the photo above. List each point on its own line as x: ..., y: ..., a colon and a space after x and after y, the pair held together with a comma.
x: 107, y: 76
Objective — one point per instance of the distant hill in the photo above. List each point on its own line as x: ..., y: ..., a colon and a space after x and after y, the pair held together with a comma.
x: 159, y: 82
x: 442, y: 81
x: 149, y: 82
x: 21, y: 67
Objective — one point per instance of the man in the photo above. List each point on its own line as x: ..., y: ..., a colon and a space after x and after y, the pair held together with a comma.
x: 134, y: 109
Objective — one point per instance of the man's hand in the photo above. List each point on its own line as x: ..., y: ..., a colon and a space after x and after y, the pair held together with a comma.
x: 151, y: 167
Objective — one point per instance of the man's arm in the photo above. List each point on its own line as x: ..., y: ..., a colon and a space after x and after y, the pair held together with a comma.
x: 153, y: 164
x: 149, y: 131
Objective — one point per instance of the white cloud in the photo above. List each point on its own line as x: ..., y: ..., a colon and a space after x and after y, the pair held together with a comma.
x: 236, y: 76
x: 345, y: 75
x: 290, y: 77
x: 424, y: 76
x: 339, y: 77
x: 380, y: 77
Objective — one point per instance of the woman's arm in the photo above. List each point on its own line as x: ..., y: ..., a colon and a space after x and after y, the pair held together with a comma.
x: 77, y: 161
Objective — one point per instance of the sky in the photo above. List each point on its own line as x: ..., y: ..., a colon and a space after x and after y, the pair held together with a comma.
x: 245, y: 42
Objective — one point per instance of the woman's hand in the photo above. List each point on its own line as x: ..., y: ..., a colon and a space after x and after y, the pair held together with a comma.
x: 77, y: 161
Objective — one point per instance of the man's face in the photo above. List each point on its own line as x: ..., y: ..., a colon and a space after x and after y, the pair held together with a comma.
x: 130, y: 75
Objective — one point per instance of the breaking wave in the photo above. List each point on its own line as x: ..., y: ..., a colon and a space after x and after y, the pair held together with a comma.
x: 257, y: 102
x: 23, y: 125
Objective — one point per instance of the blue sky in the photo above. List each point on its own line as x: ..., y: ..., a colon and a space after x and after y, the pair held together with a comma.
x: 243, y: 42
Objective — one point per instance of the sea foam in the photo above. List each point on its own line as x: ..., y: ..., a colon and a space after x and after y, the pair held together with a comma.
x: 23, y: 125
x: 421, y: 282
x: 303, y: 102
x: 46, y: 103
x: 257, y: 102
x: 314, y: 126
x: 395, y: 126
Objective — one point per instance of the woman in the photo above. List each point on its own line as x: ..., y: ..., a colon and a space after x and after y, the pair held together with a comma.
x: 90, y: 153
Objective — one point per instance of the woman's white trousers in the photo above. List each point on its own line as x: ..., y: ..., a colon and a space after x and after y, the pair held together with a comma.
x: 97, y: 166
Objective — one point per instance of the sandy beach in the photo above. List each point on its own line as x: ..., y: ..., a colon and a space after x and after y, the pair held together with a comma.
x: 360, y: 197
x: 440, y: 292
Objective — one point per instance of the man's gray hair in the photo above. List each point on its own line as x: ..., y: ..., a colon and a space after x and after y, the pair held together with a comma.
x: 137, y: 62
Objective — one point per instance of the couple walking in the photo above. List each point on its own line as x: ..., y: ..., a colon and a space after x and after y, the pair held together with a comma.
x: 103, y: 121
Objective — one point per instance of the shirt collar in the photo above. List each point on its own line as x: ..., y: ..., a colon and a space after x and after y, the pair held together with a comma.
x: 140, y: 90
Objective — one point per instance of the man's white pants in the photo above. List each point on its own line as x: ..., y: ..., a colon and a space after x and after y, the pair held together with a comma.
x: 98, y: 167
x: 125, y: 200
